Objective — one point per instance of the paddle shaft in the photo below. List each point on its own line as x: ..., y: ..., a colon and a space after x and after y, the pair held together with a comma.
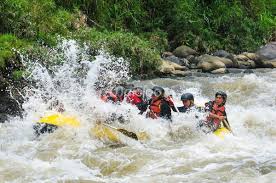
x: 123, y: 131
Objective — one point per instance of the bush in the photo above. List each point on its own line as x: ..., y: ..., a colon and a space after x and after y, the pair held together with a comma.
x: 9, y: 42
x: 36, y: 20
x: 143, y: 57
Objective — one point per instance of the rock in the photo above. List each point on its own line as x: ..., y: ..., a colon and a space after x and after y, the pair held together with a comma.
x: 8, y: 106
x: 168, y: 67
x: 241, y: 57
x: 219, y: 71
x: 181, y: 73
x: 249, y: 64
x: 228, y: 63
x: 251, y: 56
x: 256, y: 58
x: 208, y: 63
x: 221, y: 53
x: 270, y: 63
x: 184, y: 51
x: 173, y: 59
x: 167, y: 54
x: 268, y: 52
x: 190, y: 57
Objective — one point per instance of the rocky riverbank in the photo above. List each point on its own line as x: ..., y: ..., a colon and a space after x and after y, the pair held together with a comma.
x: 184, y: 60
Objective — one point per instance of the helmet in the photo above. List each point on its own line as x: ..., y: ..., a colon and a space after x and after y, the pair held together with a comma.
x: 187, y: 96
x: 157, y: 90
x: 154, y: 88
x: 223, y: 94
x: 119, y: 90
x: 138, y: 91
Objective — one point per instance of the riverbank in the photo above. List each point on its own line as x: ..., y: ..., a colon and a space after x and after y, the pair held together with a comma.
x: 184, y: 61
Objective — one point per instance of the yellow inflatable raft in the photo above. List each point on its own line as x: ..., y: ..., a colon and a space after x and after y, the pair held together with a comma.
x: 60, y: 120
x: 221, y: 132
x: 100, y: 131
x: 107, y: 132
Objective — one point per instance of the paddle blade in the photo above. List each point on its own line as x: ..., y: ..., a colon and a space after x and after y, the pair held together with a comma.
x: 60, y: 120
x: 127, y: 133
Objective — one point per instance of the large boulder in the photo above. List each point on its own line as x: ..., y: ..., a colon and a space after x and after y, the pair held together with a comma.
x: 228, y: 63
x: 244, y: 61
x: 219, y: 71
x: 249, y: 64
x: 184, y: 51
x: 173, y: 59
x: 270, y: 63
x: 209, y: 63
x: 168, y: 67
x: 268, y: 52
x: 8, y: 107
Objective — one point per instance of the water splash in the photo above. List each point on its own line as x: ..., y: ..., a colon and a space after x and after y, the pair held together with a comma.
x: 72, y: 154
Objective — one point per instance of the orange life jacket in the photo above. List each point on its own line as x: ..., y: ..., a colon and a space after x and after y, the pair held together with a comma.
x: 155, y: 109
x: 218, y: 110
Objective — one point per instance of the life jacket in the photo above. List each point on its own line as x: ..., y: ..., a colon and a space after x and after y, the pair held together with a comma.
x: 169, y: 100
x: 218, y: 110
x: 134, y: 99
x: 111, y: 96
x: 155, y: 109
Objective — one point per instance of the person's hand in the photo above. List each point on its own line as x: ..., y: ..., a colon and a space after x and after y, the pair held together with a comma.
x: 221, y: 118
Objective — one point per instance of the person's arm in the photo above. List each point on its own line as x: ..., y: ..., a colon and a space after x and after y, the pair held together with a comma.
x: 217, y: 116
x: 142, y: 106
x: 165, y: 110
x: 182, y: 109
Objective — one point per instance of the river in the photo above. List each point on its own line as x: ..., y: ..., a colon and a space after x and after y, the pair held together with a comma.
x: 185, y: 155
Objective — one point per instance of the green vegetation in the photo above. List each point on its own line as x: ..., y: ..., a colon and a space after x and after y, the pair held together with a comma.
x: 9, y: 42
x: 138, y: 30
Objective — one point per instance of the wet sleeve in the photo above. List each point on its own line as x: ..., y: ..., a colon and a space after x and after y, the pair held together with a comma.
x: 181, y: 109
x: 142, y: 106
x: 165, y: 111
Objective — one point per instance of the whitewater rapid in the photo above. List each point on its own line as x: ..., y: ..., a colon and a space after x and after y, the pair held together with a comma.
x: 75, y: 155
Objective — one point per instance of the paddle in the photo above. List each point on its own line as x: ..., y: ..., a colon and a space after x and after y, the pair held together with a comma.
x: 227, y: 125
x: 123, y: 131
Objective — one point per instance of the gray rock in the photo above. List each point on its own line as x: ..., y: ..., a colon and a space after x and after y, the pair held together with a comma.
x: 184, y: 51
x: 221, y: 53
x: 8, y: 106
x: 173, y: 59
x: 268, y: 52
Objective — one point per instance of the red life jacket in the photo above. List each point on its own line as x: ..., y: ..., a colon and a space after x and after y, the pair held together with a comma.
x: 134, y: 99
x: 113, y: 97
x: 218, y: 110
